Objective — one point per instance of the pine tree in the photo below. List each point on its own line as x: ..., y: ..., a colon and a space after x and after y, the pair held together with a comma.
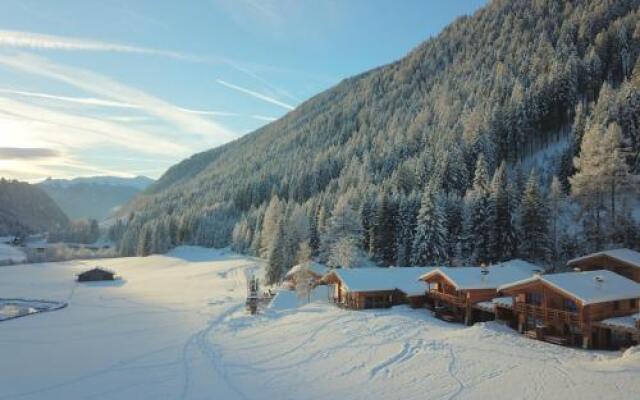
x: 557, y: 204
x: 501, y: 221
x: 405, y: 225
x: 145, y: 241
x: 601, y: 173
x: 343, y: 224
x: 454, y: 217
x: 383, y: 231
x: 276, y: 257
x: 477, y: 212
x: 270, y: 224
x: 430, y: 240
x: 534, y: 217
x: 314, y: 235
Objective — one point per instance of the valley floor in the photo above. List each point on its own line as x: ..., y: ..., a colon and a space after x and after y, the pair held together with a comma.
x: 175, y: 327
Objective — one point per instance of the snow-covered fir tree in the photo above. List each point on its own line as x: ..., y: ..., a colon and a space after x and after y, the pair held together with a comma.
x: 430, y: 239
x: 503, y: 233
x: 534, y: 222
x: 477, y: 229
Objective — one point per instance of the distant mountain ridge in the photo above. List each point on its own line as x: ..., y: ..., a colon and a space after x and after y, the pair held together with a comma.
x: 94, y: 197
x: 26, y: 208
x: 138, y: 182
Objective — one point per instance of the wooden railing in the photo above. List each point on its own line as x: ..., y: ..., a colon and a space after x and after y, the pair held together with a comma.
x: 448, y: 298
x: 549, y: 314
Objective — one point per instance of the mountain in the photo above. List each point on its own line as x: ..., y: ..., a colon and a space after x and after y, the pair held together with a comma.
x: 520, y: 82
x: 26, y: 208
x: 94, y: 197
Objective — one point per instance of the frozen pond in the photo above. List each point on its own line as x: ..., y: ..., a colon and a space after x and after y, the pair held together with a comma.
x: 14, y: 308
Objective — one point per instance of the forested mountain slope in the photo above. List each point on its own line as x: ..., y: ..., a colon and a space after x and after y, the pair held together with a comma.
x: 26, y: 208
x: 397, y: 148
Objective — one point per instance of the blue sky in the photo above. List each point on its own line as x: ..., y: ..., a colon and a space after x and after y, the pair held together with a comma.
x: 121, y: 87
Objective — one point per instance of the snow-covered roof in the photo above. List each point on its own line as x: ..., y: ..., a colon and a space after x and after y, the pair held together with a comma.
x: 314, y: 267
x: 588, y: 287
x: 628, y: 321
x: 626, y: 256
x: 506, y: 301
x: 467, y: 278
x: 382, y: 279
x: 489, y: 305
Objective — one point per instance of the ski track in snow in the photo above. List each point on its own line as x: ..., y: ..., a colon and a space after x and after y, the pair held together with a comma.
x: 177, y: 329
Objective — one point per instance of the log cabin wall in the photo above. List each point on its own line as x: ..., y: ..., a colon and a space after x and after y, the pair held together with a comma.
x: 478, y: 295
x: 600, y: 311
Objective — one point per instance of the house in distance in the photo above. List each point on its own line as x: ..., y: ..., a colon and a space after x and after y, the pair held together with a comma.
x: 623, y: 262
x: 364, y: 288
x: 569, y: 308
x: 96, y: 274
x: 459, y: 294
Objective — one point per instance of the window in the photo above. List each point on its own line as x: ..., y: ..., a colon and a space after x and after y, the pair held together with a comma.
x: 616, y: 305
x: 570, y: 305
x: 633, y: 303
x: 534, y: 298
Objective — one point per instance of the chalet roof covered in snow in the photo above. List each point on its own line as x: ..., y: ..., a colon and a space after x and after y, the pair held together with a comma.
x: 469, y: 278
x: 627, y: 321
x: 627, y: 256
x: 588, y: 287
x: 405, y: 279
x: 314, y: 267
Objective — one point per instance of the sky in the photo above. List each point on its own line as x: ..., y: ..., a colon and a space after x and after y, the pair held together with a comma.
x: 131, y: 87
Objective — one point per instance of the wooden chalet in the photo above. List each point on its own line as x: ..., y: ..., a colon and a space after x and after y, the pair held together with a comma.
x: 465, y: 294
x: 363, y: 288
x: 315, y: 271
x: 576, y: 308
x: 623, y: 262
x: 96, y: 274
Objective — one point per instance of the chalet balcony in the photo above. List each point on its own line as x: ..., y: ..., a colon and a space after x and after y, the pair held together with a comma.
x: 549, y: 314
x: 452, y: 299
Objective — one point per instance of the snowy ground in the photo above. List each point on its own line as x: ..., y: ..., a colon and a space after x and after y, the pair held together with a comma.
x: 10, y: 253
x: 175, y: 327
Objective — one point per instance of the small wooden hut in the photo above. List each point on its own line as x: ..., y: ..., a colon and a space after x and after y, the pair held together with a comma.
x: 363, y: 288
x: 96, y: 274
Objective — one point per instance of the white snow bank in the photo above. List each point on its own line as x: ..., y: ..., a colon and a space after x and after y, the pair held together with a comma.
x: 14, y: 308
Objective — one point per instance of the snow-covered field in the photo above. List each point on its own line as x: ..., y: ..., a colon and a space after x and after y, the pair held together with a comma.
x: 175, y: 327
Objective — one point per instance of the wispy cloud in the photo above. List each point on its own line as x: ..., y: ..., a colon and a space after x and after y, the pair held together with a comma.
x: 22, y: 153
x: 106, y: 87
x: 255, y: 94
x: 90, y: 101
x: 33, y: 126
x: 31, y: 40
